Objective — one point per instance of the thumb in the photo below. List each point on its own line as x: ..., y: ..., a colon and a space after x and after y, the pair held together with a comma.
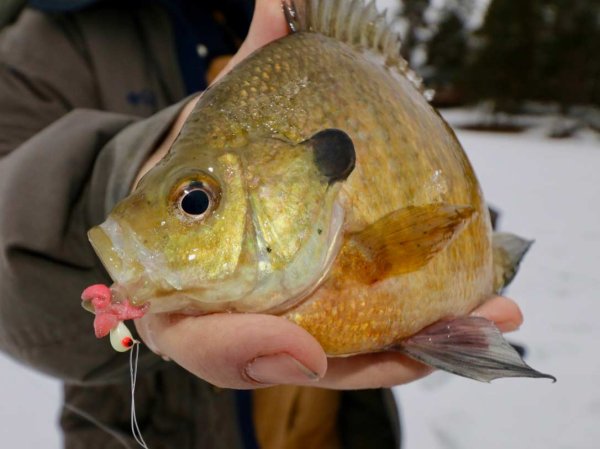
x: 268, y: 24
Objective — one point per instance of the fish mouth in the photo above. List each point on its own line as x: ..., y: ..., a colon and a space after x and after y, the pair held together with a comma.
x: 138, y: 273
x: 106, y: 244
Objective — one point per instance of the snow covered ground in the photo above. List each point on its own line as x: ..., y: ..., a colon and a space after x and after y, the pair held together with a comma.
x: 548, y: 190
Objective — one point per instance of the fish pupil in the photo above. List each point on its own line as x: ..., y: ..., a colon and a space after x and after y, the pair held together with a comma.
x: 195, y: 202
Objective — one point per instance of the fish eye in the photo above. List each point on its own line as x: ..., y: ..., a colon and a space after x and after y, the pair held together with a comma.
x: 195, y: 202
x: 196, y: 199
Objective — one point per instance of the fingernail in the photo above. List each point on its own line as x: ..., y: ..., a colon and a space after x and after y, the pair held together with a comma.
x: 279, y: 369
x: 508, y: 326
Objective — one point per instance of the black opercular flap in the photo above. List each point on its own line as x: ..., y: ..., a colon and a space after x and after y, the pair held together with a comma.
x: 334, y: 154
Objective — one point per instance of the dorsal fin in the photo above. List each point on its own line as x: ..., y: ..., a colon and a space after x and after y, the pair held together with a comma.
x: 357, y: 23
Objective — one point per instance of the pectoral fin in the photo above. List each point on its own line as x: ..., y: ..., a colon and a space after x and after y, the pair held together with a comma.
x: 509, y: 250
x: 403, y: 241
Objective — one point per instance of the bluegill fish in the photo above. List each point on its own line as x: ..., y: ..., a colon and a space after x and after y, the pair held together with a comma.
x: 314, y: 181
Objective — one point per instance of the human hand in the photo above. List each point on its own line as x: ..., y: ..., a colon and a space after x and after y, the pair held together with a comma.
x: 250, y: 350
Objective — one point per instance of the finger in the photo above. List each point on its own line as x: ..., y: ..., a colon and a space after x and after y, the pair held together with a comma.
x: 237, y: 350
x: 376, y: 370
x: 268, y: 24
x: 504, y: 312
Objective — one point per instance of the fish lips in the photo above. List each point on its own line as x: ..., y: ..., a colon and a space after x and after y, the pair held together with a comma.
x: 135, y: 270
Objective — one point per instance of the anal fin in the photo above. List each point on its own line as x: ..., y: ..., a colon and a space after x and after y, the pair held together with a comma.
x: 402, y: 241
x: 471, y: 347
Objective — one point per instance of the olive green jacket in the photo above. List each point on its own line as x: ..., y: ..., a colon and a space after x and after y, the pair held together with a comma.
x: 84, y: 98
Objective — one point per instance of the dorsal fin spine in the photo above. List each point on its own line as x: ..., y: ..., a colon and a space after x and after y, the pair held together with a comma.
x: 379, y: 29
x: 326, y: 14
x: 340, y: 26
x: 355, y: 22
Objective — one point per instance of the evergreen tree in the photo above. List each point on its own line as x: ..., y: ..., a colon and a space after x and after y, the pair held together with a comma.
x: 413, y: 12
x: 568, y: 69
x: 446, y: 51
x: 503, y: 69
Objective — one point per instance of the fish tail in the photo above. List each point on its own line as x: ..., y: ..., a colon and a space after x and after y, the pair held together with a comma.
x: 471, y: 347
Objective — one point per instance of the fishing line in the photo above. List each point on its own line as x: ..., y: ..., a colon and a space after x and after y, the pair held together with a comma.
x: 97, y: 423
x: 134, y: 355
